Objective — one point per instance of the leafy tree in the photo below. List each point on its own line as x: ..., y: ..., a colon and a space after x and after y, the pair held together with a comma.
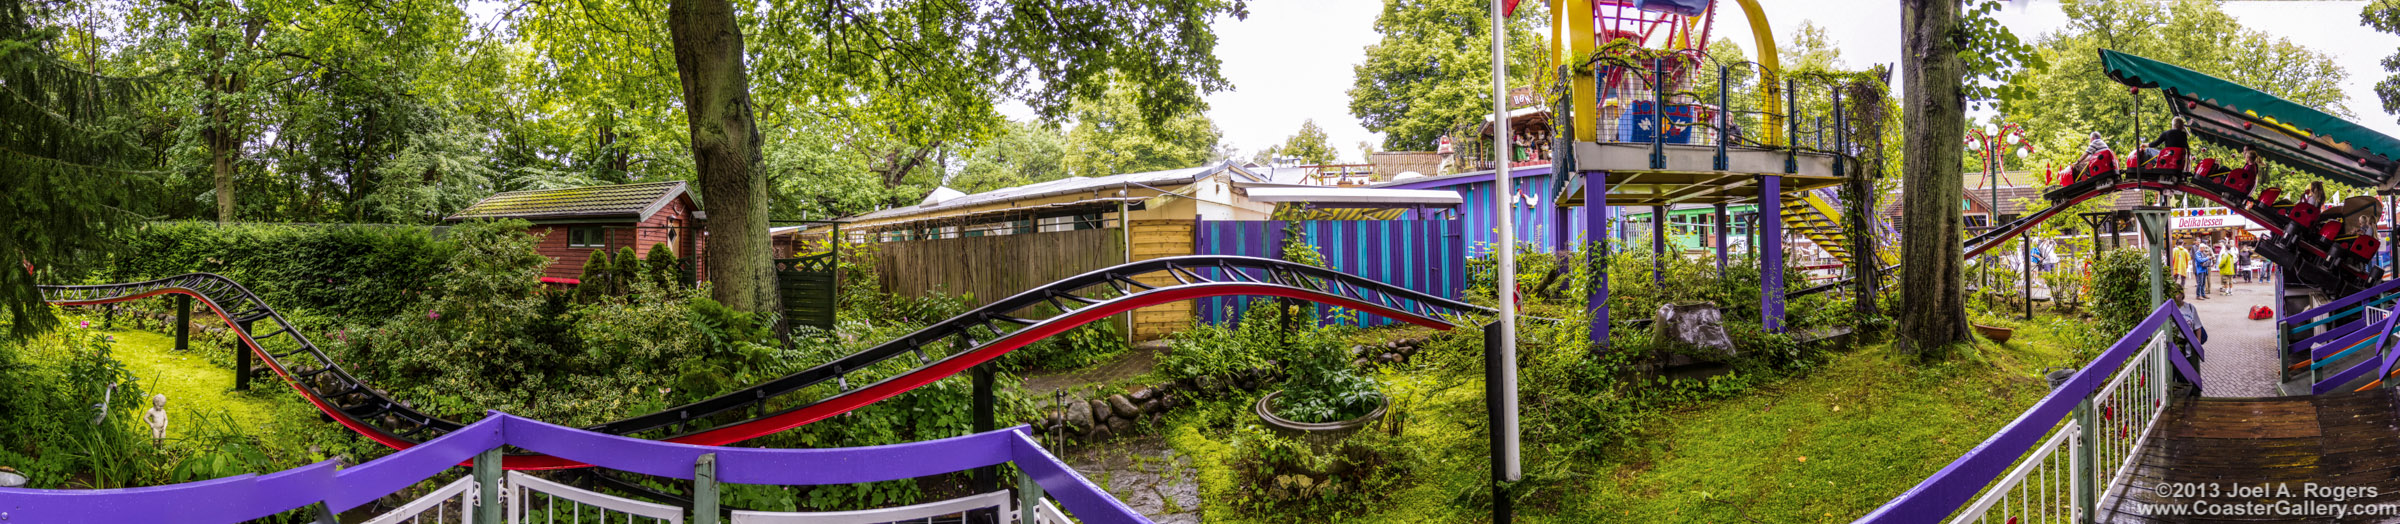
x: 1309, y: 145
x: 931, y: 70
x: 2384, y: 15
x: 64, y: 160
x: 814, y: 177
x: 1933, y: 312
x: 2078, y: 99
x: 1022, y: 153
x: 1113, y: 135
x: 1433, y: 71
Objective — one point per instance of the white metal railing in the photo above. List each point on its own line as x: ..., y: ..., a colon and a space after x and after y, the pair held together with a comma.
x: 2043, y: 486
x: 603, y: 507
x: 997, y: 500
x: 2374, y: 314
x: 1045, y: 513
x: 435, y: 504
x: 2125, y: 411
x: 2049, y: 498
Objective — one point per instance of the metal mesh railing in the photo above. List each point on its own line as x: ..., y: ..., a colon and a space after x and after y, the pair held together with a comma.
x: 452, y: 503
x: 927, y: 513
x: 533, y: 499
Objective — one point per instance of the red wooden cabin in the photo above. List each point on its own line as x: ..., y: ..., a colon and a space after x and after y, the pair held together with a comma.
x: 574, y: 222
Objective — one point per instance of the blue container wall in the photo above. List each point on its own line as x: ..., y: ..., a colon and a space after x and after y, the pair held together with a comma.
x: 1426, y: 256
x: 1536, y: 223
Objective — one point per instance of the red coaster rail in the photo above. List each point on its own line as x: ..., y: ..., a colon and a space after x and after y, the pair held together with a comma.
x: 986, y: 332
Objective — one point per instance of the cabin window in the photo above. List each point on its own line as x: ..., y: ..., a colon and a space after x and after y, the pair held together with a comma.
x: 591, y: 237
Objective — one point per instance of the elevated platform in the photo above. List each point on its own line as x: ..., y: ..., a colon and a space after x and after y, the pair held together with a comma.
x: 1690, y: 175
x: 2343, y: 440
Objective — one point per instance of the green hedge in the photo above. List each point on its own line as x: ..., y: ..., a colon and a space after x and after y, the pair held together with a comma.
x: 355, y: 272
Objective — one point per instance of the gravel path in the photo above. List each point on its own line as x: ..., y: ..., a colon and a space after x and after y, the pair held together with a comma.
x: 2241, y: 352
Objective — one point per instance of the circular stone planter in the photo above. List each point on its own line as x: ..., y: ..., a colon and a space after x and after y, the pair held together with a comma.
x: 1318, y: 434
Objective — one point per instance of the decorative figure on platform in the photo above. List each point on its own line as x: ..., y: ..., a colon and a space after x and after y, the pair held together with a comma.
x: 157, y: 418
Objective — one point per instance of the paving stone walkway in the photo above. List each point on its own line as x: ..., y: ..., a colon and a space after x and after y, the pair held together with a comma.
x: 2241, y: 352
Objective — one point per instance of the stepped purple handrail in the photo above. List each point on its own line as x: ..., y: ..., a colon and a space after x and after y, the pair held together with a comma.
x: 251, y: 496
x: 1955, y: 485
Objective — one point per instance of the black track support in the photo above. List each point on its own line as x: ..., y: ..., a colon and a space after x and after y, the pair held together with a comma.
x: 987, y: 478
x: 183, y: 322
x: 241, y: 361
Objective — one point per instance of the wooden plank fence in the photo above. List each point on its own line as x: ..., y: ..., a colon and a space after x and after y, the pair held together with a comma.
x: 1161, y: 239
x: 993, y: 267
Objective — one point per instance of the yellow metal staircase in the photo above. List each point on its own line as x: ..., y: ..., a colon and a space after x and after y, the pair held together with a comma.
x: 1813, y: 216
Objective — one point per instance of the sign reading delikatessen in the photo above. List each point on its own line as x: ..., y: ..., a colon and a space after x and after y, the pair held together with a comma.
x: 2211, y: 218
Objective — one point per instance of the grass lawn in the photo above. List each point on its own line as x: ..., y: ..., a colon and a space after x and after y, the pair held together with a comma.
x: 200, y: 393
x: 193, y: 385
x: 1828, y: 446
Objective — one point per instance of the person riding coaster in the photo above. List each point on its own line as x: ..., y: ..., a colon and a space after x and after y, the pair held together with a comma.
x: 2097, y: 163
x: 2333, y: 245
x: 2235, y: 183
x: 2172, y: 147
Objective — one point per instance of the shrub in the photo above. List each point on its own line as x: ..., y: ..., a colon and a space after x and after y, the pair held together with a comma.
x: 51, y: 409
x: 1075, y: 349
x: 337, y: 271
x: 1279, y: 475
x: 2121, y: 288
x: 663, y: 267
x: 625, y: 269
x: 594, y: 281
x: 1322, y: 386
x: 1212, y: 350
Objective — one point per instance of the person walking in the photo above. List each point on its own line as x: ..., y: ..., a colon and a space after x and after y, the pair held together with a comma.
x: 2225, y: 266
x: 2179, y: 262
x: 2202, y: 261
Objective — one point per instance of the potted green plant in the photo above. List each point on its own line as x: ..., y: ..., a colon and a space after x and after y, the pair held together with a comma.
x: 1323, y: 399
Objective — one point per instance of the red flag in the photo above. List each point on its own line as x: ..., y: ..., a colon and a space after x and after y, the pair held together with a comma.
x: 1508, y: 8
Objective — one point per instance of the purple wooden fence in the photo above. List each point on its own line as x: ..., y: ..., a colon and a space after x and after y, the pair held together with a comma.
x: 1428, y: 256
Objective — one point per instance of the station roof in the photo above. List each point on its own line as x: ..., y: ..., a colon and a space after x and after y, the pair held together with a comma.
x: 1064, y: 186
x: 2282, y: 131
x: 1352, y: 196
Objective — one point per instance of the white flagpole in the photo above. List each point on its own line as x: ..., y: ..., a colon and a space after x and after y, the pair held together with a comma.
x: 1509, y: 466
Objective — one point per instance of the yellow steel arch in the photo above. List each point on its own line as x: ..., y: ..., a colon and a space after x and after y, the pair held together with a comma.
x: 1770, y: 70
x: 1573, y: 19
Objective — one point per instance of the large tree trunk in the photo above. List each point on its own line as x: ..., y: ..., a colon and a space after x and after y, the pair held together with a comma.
x: 725, y: 150
x: 1933, y: 312
x: 220, y: 162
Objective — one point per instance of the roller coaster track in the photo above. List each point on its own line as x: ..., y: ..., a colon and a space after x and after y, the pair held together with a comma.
x: 2060, y: 203
x: 985, y: 333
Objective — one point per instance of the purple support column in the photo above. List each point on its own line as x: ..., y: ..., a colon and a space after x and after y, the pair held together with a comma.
x: 1722, y: 225
x: 1595, y: 252
x: 1658, y: 244
x: 1770, y: 244
x: 1562, y: 235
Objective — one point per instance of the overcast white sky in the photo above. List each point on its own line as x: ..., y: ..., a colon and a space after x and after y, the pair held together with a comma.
x: 1291, y: 61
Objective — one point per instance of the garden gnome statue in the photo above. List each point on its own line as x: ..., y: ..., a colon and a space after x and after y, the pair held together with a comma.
x: 157, y: 418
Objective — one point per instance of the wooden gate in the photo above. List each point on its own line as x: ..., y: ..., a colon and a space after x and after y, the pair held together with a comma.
x: 807, y: 286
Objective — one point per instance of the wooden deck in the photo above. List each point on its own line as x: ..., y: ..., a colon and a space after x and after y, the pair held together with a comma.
x: 2349, y: 439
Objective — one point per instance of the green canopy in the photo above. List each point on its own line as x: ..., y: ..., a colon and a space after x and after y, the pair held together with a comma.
x: 2233, y: 115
